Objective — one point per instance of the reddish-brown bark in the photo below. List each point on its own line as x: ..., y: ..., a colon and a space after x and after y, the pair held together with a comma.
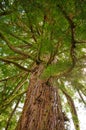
x: 42, y: 109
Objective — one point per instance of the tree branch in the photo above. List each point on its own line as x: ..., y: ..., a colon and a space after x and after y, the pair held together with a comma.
x: 81, y: 96
x: 72, y: 109
x: 8, y: 101
x: 17, y: 50
x: 6, y: 13
x: 19, y: 85
x: 8, y: 78
x: 73, y: 41
x: 15, y: 57
x: 78, y: 42
x: 10, y: 117
x: 16, y: 64
x: 17, y: 37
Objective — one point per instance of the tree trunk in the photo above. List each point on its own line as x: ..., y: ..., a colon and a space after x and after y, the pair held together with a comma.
x: 42, y: 109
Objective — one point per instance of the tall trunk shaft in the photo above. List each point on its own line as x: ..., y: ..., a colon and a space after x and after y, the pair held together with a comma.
x: 42, y: 109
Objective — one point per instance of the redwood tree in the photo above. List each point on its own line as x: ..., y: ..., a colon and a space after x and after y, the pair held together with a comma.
x: 42, y: 54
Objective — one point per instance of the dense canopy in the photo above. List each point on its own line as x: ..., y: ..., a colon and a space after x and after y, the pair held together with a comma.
x: 50, y: 32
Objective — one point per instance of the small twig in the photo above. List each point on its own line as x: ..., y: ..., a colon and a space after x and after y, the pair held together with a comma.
x: 18, y: 57
x: 32, y: 31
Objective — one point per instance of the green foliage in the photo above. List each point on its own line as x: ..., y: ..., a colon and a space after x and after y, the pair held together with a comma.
x: 52, y: 33
x: 55, y: 69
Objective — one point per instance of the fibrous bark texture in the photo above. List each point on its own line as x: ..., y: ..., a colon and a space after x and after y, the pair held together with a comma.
x: 42, y: 109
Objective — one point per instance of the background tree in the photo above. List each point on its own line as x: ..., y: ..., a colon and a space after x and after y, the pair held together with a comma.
x: 42, y: 45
